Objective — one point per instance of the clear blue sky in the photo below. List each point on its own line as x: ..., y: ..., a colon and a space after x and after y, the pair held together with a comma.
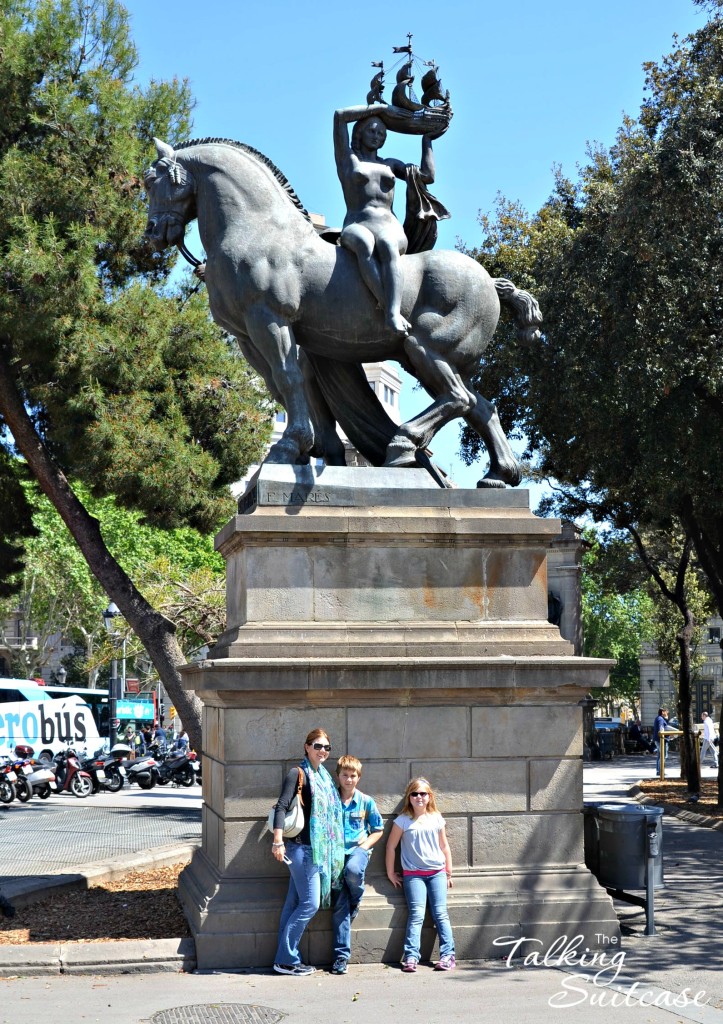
x: 531, y: 84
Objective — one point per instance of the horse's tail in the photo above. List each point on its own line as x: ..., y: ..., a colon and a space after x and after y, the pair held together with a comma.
x: 524, y: 307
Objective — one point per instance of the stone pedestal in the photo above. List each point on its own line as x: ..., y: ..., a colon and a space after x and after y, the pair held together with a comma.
x: 409, y: 622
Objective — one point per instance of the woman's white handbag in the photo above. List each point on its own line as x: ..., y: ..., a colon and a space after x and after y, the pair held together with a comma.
x: 294, y: 820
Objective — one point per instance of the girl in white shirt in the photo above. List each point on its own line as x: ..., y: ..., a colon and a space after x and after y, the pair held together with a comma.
x: 426, y: 872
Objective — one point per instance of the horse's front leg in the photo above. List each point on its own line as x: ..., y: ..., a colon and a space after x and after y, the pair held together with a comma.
x: 452, y: 399
x: 274, y: 338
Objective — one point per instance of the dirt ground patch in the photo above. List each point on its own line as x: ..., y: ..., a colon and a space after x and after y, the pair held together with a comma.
x: 141, y: 905
x: 675, y: 792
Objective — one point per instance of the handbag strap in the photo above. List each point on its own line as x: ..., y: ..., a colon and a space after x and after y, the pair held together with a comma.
x: 300, y: 784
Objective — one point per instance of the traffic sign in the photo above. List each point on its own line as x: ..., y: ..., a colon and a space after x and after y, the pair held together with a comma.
x: 172, y: 711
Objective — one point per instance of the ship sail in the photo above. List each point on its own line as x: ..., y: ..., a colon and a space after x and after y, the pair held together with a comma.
x: 400, y: 96
x: 432, y: 88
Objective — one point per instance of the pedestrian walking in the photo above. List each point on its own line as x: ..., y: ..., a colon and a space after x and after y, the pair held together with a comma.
x: 660, y: 723
x: 315, y: 857
x: 363, y: 828
x: 426, y: 872
x: 709, y: 746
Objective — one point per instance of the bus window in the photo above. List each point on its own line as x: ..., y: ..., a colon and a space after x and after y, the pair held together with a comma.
x: 14, y: 690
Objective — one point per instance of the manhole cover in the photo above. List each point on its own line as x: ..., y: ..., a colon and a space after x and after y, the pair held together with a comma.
x: 219, y: 1013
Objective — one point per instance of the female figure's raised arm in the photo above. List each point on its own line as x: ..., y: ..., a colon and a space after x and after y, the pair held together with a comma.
x: 426, y: 166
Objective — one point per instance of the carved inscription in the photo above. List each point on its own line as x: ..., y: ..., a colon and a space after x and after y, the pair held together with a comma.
x: 296, y: 497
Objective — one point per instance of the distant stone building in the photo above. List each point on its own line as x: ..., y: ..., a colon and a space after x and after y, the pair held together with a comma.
x: 657, y: 687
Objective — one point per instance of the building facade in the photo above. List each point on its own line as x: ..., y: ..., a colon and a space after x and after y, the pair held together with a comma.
x: 657, y: 686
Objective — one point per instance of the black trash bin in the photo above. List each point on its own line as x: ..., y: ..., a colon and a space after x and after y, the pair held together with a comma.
x: 623, y: 845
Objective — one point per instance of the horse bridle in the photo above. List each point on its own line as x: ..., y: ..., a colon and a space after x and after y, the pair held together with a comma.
x: 187, y: 255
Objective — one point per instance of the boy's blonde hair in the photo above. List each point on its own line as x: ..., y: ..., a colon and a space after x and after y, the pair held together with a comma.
x: 351, y: 764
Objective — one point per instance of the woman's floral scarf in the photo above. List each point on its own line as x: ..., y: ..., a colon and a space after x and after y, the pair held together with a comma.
x: 326, y: 829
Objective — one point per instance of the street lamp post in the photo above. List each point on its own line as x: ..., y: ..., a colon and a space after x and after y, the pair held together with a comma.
x: 114, y: 689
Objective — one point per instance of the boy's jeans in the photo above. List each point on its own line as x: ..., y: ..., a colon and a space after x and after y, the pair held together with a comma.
x: 348, y: 900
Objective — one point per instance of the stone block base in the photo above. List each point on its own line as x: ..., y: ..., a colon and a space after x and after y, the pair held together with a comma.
x: 236, y: 925
x: 410, y: 625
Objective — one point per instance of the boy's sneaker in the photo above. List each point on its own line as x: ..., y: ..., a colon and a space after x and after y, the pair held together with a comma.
x: 409, y: 965
x: 445, y: 963
x: 296, y: 969
x: 340, y: 965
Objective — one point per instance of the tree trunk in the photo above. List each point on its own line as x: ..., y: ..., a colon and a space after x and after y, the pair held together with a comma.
x: 688, y: 762
x: 708, y: 550
x: 154, y: 630
x: 720, y: 759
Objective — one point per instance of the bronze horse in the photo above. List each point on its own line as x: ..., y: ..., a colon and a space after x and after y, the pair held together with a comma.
x: 274, y: 284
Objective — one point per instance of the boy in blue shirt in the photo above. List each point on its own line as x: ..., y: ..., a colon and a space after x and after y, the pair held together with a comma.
x: 363, y: 827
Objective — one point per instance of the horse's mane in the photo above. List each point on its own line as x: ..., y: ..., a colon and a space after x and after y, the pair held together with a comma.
x: 281, y: 178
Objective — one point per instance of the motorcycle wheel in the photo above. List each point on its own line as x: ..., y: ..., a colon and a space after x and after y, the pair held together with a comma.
x: 80, y: 786
x: 113, y: 781
x: 7, y: 792
x: 44, y: 791
x: 22, y: 789
x: 188, y: 777
x: 147, y: 783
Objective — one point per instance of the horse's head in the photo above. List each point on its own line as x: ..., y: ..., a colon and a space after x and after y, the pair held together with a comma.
x: 171, y: 194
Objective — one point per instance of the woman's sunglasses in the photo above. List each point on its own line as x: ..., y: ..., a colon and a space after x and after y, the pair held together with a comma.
x: 321, y: 746
x: 425, y: 793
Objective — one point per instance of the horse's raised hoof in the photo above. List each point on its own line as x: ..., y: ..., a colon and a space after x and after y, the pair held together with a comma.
x: 491, y: 481
x: 400, y: 452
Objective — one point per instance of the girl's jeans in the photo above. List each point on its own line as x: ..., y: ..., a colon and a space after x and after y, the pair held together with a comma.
x: 416, y: 890
x: 302, y: 902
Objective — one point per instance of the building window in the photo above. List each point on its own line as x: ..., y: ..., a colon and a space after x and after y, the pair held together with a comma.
x: 281, y: 416
x: 714, y: 634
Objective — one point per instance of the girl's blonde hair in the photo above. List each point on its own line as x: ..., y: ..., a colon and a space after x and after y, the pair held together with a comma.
x: 413, y: 787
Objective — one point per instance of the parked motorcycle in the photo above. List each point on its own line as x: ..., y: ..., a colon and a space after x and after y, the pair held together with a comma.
x: 105, y: 770
x: 70, y: 777
x: 34, y: 778
x: 143, y: 770
x: 8, y: 778
x: 179, y: 767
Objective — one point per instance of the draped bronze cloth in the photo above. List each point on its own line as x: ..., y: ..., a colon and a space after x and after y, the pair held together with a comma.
x: 423, y: 212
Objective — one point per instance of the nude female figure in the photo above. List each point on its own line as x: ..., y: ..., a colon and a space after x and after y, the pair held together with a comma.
x: 371, y: 231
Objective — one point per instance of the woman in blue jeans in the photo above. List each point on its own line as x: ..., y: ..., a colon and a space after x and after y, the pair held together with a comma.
x: 315, y: 857
x: 426, y: 872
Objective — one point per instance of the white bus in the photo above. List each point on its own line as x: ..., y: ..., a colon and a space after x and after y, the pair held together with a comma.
x: 32, y: 716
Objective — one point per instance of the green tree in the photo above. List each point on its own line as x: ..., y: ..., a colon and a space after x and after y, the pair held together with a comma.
x: 59, y: 599
x: 617, y: 619
x: 102, y: 378
x: 622, y: 401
